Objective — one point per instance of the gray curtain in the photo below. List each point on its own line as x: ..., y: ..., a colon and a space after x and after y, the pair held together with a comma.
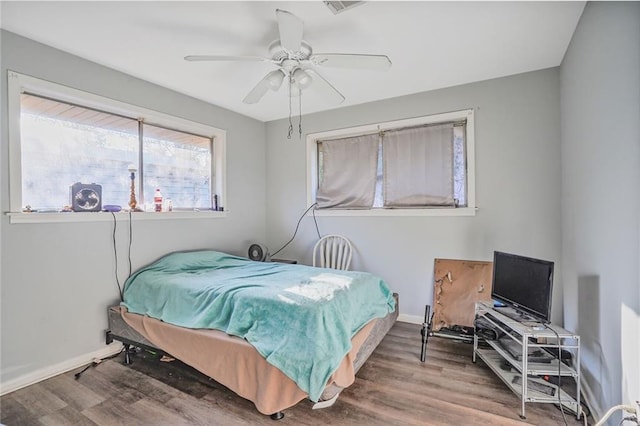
x: 348, y: 172
x: 418, y: 164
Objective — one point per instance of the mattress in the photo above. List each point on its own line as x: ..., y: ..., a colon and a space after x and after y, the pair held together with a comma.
x: 235, y: 363
x: 301, y: 319
x: 273, y: 333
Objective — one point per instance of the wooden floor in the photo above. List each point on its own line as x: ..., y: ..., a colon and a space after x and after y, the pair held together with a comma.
x: 392, y: 388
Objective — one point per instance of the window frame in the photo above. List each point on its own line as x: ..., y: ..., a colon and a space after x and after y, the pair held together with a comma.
x: 19, y: 83
x: 312, y: 165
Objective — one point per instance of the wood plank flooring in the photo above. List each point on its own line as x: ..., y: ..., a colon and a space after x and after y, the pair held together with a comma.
x: 392, y: 388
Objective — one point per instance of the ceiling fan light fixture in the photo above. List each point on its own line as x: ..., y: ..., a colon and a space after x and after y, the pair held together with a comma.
x: 295, y: 60
x: 301, y: 78
x: 274, y: 79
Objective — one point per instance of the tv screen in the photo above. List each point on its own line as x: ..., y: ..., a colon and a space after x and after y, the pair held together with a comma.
x: 523, y: 283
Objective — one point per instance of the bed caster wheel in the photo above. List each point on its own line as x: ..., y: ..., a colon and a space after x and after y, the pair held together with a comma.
x: 277, y: 416
x: 127, y: 354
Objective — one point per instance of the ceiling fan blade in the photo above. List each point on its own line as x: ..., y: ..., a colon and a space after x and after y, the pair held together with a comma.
x: 195, y: 58
x: 323, y: 87
x: 350, y: 60
x: 290, y: 27
x: 258, y: 91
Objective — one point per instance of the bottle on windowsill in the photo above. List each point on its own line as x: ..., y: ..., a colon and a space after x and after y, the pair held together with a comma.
x: 157, y: 200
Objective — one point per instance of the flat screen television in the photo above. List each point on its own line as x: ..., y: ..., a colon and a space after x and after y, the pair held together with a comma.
x: 524, y: 284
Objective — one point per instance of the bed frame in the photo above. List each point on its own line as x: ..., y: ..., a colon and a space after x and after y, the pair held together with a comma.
x: 120, y: 330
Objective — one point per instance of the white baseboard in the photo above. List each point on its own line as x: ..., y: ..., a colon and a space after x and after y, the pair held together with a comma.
x: 54, y: 370
x: 411, y: 319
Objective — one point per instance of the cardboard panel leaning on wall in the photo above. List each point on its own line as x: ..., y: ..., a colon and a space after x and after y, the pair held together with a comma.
x: 458, y: 285
x: 58, y: 279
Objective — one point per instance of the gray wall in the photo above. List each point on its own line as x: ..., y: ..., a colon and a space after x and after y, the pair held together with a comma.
x: 600, y: 107
x: 58, y: 279
x: 2, y: 177
x: 517, y: 186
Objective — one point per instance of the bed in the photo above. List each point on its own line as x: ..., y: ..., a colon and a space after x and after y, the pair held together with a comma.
x: 273, y: 333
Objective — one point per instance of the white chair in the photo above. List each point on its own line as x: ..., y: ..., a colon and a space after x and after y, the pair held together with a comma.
x: 332, y: 251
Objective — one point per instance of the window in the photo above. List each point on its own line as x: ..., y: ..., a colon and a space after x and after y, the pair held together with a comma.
x: 180, y: 164
x: 61, y: 136
x: 416, y: 166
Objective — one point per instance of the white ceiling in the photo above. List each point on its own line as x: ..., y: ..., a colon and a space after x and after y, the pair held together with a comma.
x: 431, y: 44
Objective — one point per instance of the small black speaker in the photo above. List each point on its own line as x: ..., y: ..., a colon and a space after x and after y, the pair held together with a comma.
x: 85, y: 197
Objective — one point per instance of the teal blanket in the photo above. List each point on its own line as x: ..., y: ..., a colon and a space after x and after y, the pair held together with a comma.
x: 300, y: 318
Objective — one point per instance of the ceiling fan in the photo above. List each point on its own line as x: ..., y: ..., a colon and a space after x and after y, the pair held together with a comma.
x: 295, y: 60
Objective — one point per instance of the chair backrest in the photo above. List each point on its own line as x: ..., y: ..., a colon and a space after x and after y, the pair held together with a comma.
x: 332, y: 251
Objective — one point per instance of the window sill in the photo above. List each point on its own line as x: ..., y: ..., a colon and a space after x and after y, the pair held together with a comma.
x: 73, y: 217
x: 462, y: 211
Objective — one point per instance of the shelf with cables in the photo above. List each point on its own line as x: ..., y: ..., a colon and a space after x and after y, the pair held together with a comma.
x: 539, y: 362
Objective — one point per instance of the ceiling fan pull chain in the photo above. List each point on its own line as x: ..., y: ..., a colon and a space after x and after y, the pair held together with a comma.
x: 290, y: 122
x: 300, y: 111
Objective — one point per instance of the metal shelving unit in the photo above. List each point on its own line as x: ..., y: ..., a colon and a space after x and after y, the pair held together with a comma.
x: 522, y: 374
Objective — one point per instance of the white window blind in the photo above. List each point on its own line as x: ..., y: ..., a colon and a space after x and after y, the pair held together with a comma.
x: 348, y: 172
x: 425, y: 167
x: 418, y: 166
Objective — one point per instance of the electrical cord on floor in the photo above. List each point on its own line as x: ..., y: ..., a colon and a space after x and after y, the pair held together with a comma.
x: 298, y: 225
x: 96, y: 362
x: 629, y: 408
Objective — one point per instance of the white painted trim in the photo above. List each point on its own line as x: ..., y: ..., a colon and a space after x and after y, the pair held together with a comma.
x: 54, y: 370
x: 470, y: 142
x: 69, y: 94
x: 312, y: 169
x: 56, y: 217
x: 461, y: 211
x: 411, y: 319
x: 15, y: 152
x: 312, y: 165
x: 220, y: 177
